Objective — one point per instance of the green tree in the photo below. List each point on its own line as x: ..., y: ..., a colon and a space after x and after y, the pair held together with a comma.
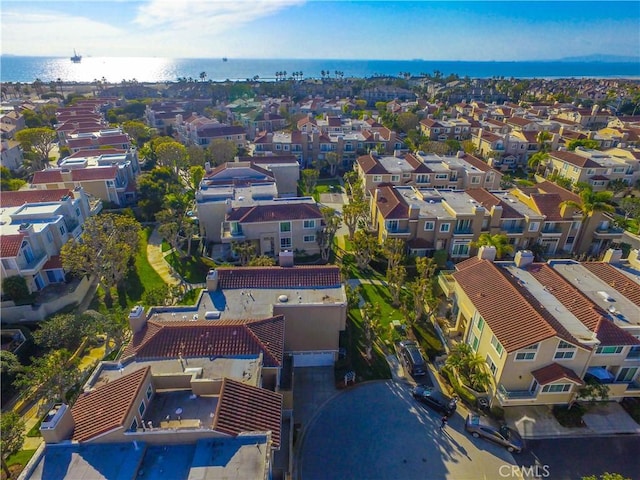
x: 172, y: 155
x: 9, y: 362
x: 352, y: 215
x: 590, y: 203
x: 499, y: 240
x: 333, y: 161
x: 618, y: 185
x: 396, y: 277
x: 51, y: 375
x: 407, y: 121
x: 114, y: 324
x: 423, y: 287
x: 262, y: 261
x: 196, y: 174
x: 153, y: 187
x: 593, y: 392
x: 331, y: 222
x: 543, y: 138
x: 371, y: 323
x: 157, y: 296
x: 15, y: 287
x: 244, y: 250
x: 365, y: 247
x: 8, y: 181
x: 631, y: 207
x: 40, y: 141
x: 538, y: 160
x: 606, y: 476
x: 12, y: 437
x: 64, y: 330
x: 393, y: 249
x: 222, y: 151
x: 469, y: 147
x: 138, y: 131
x: 380, y: 106
x: 108, y: 244
x: 585, y: 143
x: 453, y: 145
x: 309, y: 180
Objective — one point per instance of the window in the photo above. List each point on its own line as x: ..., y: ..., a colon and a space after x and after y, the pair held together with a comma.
x: 285, y: 227
x: 377, y: 178
x: 309, y: 238
x: 63, y: 230
x: 285, y: 243
x: 309, y: 224
x: 533, y: 226
x: 429, y: 226
x: 479, y: 322
x: 527, y: 353
x: 134, y: 426
x: 149, y: 392
x: 475, y: 180
x: 49, y: 236
x: 444, y: 227
x: 77, y: 212
x: 460, y: 250
x: 473, y: 341
x: 565, y: 351
x: 422, y: 178
x: 442, y: 176
x: 395, y: 178
x: 141, y: 408
x: 392, y: 225
x: 55, y: 276
x: 492, y: 366
x: 608, y: 350
x: 626, y: 374
x: 496, y: 345
x: 557, y: 388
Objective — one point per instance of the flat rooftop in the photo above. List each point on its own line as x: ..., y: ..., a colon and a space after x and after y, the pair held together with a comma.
x: 516, y: 204
x: 461, y: 202
x: 395, y: 165
x: 621, y: 310
x: 428, y: 201
x: 38, y: 209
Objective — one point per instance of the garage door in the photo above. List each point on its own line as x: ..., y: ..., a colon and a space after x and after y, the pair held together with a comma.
x: 313, y: 359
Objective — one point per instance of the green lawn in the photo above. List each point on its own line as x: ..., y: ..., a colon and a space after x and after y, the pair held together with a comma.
x: 190, y: 297
x: 379, y: 295
x: 193, y: 269
x: 349, y: 263
x: 20, y: 458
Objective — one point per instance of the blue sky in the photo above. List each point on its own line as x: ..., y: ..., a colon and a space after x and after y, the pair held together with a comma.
x: 430, y: 30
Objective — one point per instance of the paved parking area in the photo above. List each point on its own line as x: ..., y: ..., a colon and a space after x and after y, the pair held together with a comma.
x: 378, y: 431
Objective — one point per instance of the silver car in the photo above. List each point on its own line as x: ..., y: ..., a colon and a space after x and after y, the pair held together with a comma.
x: 502, y: 435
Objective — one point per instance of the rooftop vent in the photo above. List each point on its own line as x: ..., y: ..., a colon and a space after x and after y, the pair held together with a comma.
x: 283, y: 299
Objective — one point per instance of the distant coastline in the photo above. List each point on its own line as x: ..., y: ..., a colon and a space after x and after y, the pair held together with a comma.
x: 157, y: 69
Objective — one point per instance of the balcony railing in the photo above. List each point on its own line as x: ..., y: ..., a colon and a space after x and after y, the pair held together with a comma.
x: 634, y: 386
x: 512, y: 229
x: 463, y: 231
x: 551, y: 230
x: 515, y: 394
x: 35, y: 265
x: 229, y: 233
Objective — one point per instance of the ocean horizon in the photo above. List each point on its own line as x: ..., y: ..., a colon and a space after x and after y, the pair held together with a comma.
x: 158, y: 69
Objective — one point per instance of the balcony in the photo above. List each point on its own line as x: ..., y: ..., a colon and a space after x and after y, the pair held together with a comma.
x: 35, y: 265
x: 634, y: 386
x: 463, y: 231
x: 512, y: 229
x: 555, y: 230
x: 515, y: 395
x: 230, y: 233
x: 608, y: 232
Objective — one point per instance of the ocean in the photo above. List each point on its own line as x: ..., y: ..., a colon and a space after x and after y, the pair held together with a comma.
x: 157, y: 69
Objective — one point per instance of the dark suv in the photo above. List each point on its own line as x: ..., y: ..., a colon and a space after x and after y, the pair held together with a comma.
x: 412, y: 358
x: 435, y: 400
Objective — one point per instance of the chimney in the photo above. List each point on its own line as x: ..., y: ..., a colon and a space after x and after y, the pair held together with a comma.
x: 207, y: 167
x: 612, y: 256
x: 212, y: 280
x: 634, y: 258
x: 523, y: 258
x: 57, y: 426
x: 487, y: 252
x: 137, y: 319
x: 460, y: 154
x: 285, y: 258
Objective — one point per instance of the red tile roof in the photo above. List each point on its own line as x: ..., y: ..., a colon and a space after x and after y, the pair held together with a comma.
x: 107, y: 407
x: 97, y: 153
x: 274, y: 213
x: 53, y: 263
x: 489, y: 200
x: 94, y: 173
x: 574, y: 159
x: 204, y: 338
x: 20, y: 197
x: 47, y: 176
x: 390, y: 204
x: 325, y: 276
x: 10, y: 245
x: 370, y: 165
x: 616, y: 279
x: 554, y: 372
x: 245, y: 408
x: 581, y: 307
x: 479, y: 164
x: 548, y: 204
x: 512, y: 319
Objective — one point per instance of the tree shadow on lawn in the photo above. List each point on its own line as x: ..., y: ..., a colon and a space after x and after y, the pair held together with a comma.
x: 130, y: 290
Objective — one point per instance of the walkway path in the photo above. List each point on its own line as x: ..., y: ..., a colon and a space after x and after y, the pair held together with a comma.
x: 155, y: 256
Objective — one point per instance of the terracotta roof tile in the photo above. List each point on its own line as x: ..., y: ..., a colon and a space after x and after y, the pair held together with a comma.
x: 203, y: 338
x: 47, y: 176
x: 10, y: 245
x: 489, y: 200
x: 574, y: 159
x: 94, y: 173
x: 554, y: 372
x: 245, y: 408
x: 326, y: 276
x: 390, y: 204
x: 548, y: 204
x: 616, y: 279
x: 53, y: 263
x: 370, y: 165
x: 512, y: 319
x: 106, y: 407
x: 274, y: 213
x: 581, y: 307
x: 20, y: 197
x: 479, y: 164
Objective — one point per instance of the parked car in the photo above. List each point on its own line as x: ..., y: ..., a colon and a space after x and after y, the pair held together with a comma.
x: 412, y: 358
x: 502, y: 435
x: 435, y: 400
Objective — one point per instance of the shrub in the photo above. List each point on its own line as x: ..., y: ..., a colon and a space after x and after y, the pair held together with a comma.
x: 15, y: 287
x: 462, y: 392
x: 569, y: 417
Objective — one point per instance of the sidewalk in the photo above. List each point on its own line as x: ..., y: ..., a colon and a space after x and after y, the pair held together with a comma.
x: 155, y: 256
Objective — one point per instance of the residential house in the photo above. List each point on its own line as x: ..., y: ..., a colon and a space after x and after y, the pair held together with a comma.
x: 35, y: 224
x: 11, y: 122
x: 541, y: 329
x: 97, y: 139
x: 11, y: 155
x: 164, y: 115
x: 446, y: 129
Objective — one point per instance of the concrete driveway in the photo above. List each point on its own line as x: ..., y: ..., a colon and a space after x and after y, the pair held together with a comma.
x: 376, y: 430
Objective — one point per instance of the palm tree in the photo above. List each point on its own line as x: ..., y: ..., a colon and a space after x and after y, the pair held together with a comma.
x: 203, y: 75
x: 498, y: 240
x: 538, y: 160
x: 543, y: 138
x: 590, y: 203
